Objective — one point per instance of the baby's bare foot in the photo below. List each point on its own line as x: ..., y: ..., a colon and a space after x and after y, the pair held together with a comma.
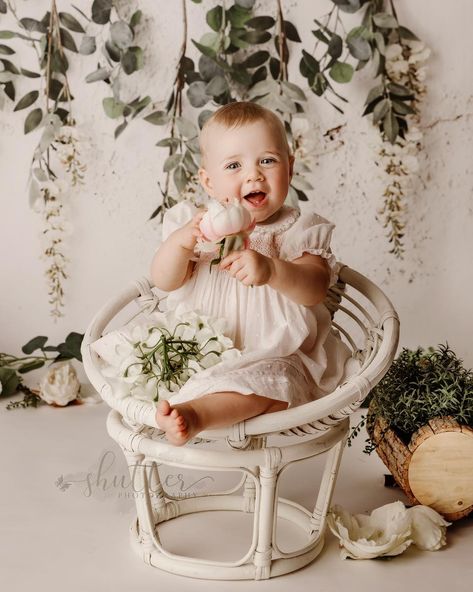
x: 179, y: 422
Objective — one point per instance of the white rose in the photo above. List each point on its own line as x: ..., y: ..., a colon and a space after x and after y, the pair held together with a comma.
x: 389, y: 530
x: 428, y: 528
x: 59, y: 385
x: 385, y: 532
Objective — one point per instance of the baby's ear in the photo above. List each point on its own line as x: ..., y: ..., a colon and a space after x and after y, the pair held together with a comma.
x: 205, y: 181
x: 291, y: 165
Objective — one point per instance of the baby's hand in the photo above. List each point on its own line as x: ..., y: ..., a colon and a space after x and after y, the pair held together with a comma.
x: 249, y: 267
x: 188, y: 235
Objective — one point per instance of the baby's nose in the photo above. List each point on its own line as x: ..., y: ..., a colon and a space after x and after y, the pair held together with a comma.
x: 254, y: 174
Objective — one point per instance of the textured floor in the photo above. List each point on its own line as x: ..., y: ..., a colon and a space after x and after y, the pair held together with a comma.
x: 67, y: 504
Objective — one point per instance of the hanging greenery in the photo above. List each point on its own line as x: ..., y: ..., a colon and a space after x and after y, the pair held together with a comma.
x: 393, y: 102
x: 119, y: 55
x: 242, y: 56
x: 55, y: 166
x: 231, y: 67
x: 245, y: 57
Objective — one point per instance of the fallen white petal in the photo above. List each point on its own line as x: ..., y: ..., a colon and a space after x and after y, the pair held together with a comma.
x: 428, y: 528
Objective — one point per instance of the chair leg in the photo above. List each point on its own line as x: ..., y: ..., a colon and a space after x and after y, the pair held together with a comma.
x: 249, y: 492
x: 327, y: 486
x: 264, y: 548
x: 157, y: 494
x: 144, y: 512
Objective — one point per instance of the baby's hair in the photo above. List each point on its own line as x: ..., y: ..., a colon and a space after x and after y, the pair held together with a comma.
x: 241, y: 113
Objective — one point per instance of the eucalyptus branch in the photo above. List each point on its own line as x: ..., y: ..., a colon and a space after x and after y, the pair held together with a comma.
x: 281, y: 43
x: 178, y: 86
x: 49, y: 37
x: 60, y: 47
x: 27, y: 33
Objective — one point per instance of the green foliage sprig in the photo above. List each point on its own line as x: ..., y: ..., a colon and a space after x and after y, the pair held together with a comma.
x: 50, y: 37
x: 169, y: 360
x: 12, y: 368
x: 389, y: 102
x: 420, y: 385
x: 53, y: 41
x: 392, y: 102
x: 120, y: 54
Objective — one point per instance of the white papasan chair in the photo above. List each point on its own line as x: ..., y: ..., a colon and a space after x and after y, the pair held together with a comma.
x: 368, y: 323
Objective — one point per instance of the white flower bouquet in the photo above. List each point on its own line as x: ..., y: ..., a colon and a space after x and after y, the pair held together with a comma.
x: 152, y: 360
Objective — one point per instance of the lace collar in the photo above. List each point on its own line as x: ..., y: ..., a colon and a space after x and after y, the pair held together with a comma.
x: 286, y: 219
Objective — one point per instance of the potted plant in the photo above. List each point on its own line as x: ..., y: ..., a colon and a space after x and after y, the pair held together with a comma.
x: 420, y: 420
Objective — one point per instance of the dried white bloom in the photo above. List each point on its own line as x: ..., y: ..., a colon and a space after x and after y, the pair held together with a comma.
x: 428, y: 528
x: 60, y: 385
x: 387, y: 531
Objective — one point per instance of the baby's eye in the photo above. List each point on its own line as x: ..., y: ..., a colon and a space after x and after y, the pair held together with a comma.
x: 232, y: 166
x: 268, y: 160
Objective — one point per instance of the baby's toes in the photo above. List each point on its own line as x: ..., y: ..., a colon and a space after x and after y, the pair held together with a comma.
x: 163, y: 407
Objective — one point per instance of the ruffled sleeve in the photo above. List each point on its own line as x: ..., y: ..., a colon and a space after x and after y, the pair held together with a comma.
x: 177, y: 216
x: 310, y: 234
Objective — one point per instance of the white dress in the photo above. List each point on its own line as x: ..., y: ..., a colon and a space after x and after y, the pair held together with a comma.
x: 289, y: 351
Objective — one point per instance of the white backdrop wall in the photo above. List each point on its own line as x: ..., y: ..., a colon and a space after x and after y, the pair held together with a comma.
x: 112, y: 240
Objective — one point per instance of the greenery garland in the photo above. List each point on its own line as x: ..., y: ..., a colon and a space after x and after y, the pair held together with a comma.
x: 243, y: 56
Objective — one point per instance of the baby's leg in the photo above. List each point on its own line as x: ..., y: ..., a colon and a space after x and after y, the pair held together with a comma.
x: 184, y: 420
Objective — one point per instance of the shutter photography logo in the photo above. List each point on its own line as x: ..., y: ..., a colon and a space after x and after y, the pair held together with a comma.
x: 112, y: 478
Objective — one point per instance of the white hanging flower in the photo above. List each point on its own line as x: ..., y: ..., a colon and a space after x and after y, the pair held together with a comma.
x: 387, y: 531
x: 410, y: 164
x: 413, y: 135
x: 393, y: 52
x: 398, y: 67
x: 421, y: 74
x: 60, y: 385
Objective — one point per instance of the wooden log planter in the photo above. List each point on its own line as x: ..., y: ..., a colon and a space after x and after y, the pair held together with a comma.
x: 436, y: 467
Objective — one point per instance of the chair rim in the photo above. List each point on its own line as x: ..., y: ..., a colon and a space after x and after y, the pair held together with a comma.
x: 326, y: 411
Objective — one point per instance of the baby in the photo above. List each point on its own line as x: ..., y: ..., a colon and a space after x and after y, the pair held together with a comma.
x: 270, y: 293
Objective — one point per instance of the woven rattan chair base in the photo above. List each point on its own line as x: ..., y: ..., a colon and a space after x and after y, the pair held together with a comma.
x: 370, y: 327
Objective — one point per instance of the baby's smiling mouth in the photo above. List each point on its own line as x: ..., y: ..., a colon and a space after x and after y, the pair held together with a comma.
x: 255, y: 198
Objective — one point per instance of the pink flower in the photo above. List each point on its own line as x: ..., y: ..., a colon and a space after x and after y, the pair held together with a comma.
x: 220, y: 221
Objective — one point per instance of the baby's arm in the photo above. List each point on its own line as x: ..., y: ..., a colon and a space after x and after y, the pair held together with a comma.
x: 304, y: 280
x: 172, y: 266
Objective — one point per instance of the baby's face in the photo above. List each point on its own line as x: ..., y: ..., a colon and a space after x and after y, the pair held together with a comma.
x: 250, y: 163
